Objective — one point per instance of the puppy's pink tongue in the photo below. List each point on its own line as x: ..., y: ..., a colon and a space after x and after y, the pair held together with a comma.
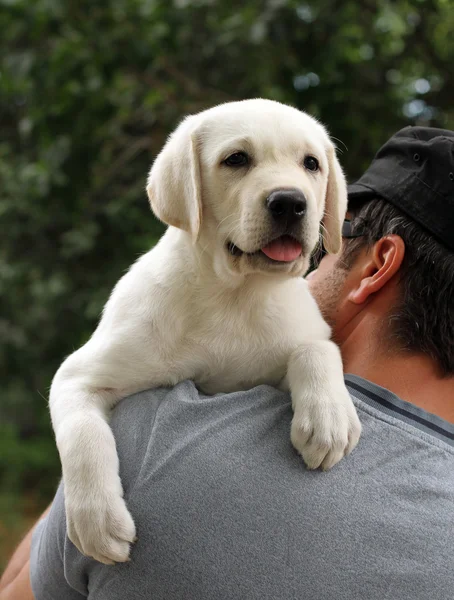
x: 284, y: 249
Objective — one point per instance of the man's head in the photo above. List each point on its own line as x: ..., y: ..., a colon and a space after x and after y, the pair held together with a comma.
x: 397, y: 260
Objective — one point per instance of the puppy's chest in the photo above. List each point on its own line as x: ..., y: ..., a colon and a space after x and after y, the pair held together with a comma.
x: 236, y: 351
x: 234, y: 341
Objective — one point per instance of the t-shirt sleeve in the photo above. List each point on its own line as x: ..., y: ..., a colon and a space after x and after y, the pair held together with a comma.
x: 47, y: 572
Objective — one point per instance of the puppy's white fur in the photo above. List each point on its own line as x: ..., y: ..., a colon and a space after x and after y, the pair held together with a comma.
x: 190, y: 309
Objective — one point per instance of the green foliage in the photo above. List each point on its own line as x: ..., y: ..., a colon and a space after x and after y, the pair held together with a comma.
x: 88, y: 93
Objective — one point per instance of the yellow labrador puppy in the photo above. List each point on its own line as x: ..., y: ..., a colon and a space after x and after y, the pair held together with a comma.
x: 221, y: 300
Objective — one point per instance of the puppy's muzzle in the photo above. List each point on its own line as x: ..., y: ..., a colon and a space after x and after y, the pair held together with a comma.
x: 287, y: 205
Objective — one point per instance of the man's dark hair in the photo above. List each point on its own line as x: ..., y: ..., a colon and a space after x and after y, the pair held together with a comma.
x: 423, y: 320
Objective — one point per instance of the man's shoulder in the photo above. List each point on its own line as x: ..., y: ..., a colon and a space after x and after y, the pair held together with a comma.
x: 184, y: 407
x: 153, y: 426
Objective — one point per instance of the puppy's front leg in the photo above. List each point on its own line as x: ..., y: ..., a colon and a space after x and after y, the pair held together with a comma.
x: 325, y: 426
x: 98, y: 522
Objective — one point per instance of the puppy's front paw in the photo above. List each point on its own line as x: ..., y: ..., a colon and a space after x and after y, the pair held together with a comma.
x: 325, y: 428
x: 100, y: 525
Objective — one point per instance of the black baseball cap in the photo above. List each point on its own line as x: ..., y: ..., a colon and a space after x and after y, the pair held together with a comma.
x: 414, y: 171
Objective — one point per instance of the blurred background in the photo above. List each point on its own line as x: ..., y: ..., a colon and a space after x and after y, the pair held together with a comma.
x: 89, y: 92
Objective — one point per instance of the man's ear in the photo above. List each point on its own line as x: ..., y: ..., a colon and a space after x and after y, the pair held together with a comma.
x: 335, y: 204
x: 380, y: 265
x: 174, y: 187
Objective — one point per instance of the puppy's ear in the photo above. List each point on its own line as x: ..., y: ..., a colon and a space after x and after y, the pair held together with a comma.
x: 335, y: 204
x: 173, y: 186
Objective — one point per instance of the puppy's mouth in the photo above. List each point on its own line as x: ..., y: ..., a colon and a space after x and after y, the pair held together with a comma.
x: 283, y: 249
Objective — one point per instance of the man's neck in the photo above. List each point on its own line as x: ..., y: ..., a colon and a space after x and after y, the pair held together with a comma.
x: 413, y: 378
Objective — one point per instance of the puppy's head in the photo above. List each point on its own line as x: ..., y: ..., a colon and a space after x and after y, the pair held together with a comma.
x: 251, y: 182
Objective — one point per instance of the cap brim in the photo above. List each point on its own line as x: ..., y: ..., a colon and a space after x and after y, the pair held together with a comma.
x: 358, y: 194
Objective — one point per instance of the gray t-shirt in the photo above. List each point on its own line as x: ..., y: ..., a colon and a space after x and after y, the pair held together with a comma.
x: 225, y: 509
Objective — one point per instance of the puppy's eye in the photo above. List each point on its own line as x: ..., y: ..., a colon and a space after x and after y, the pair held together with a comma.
x: 238, y: 159
x: 311, y: 163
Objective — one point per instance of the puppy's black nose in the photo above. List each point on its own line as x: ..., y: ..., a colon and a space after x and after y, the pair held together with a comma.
x: 287, y: 204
